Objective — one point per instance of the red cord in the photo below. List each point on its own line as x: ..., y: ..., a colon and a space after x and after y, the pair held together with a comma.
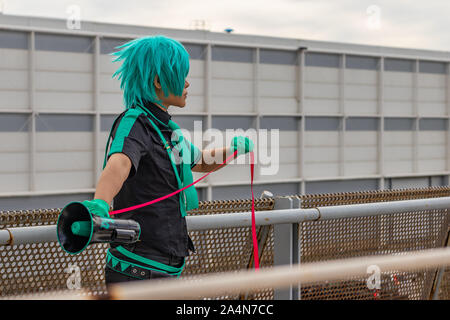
x: 252, y: 168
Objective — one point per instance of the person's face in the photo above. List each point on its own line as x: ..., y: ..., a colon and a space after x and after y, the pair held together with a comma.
x: 172, y: 100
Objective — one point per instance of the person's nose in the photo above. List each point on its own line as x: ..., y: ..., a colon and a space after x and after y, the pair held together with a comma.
x: 186, y: 84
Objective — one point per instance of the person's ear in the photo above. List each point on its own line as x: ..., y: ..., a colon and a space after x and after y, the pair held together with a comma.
x: 156, y: 83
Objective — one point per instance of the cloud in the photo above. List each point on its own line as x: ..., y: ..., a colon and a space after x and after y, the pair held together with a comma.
x: 404, y: 23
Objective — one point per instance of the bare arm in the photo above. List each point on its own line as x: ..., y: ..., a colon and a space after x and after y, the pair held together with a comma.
x: 205, y: 165
x: 113, y: 176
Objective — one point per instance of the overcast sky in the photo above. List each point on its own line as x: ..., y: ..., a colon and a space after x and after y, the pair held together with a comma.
x: 400, y: 23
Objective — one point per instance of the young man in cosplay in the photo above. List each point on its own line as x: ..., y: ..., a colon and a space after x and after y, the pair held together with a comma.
x: 143, y: 161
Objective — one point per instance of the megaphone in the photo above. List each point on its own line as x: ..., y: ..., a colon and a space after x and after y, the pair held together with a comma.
x: 77, y: 228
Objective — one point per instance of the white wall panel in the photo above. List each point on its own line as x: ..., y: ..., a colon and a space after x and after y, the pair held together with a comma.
x: 394, y: 153
x: 321, y: 75
x: 14, y: 79
x: 277, y: 88
x: 398, y: 167
x: 360, y: 168
x: 321, y: 138
x: 13, y: 59
x: 64, y: 141
x: 15, y: 182
x: 434, y: 165
x: 108, y: 84
x: 361, y: 77
x: 196, y: 86
x: 112, y: 102
x: 431, y: 94
x: 64, y: 180
x: 232, y: 172
x: 398, y: 152
x: 391, y: 78
x: 361, y: 107
x: 431, y: 152
x: 231, y: 104
x: 321, y: 154
x: 196, y: 69
x: 237, y: 88
x: 368, y: 153
x: 431, y: 80
x: 401, y: 138
x: 361, y: 138
x: 10, y: 99
x: 287, y: 139
x: 231, y: 70
x: 430, y: 109
x: 321, y: 106
x: 321, y: 169
x: 285, y: 171
x: 194, y: 103
x: 72, y: 101
x: 272, y: 72
x: 14, y: 141
x: 431, y: 137
x: 278, y: 105
x: 361, y: 153
x: 288, y: 155
x: 321, y: 91
x: 64, y: 81
x: 396, y: 108
x: 14, y: 162
x: 64, y: 161
x: 107, y: 66
x: 398, y: 93
x: 64, y: 61
x: 366, y: 92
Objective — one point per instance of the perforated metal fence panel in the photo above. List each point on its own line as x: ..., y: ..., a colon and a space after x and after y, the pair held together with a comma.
x: 374, y: 235
x: 43, y: 267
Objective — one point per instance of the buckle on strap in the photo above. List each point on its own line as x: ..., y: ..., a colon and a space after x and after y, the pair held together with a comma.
x: 167, y: 146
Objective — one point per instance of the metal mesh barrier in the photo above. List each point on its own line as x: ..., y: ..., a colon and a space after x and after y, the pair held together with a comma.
x: 43, y: 267
x: 375, y: 235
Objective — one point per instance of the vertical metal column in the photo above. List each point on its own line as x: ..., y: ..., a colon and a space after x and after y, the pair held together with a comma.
x: 96, y: 92
x: 32, y: 106
x: 416, y: 117
x: 381, y: 185
x: 256, y: 72
x: 208, y: 83
x: 301, y: 121
x: 287, y: 247
x: 447, y: 100
x: 342, y: 113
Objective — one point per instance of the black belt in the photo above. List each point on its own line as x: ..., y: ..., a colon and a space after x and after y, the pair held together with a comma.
x: 137, y: 272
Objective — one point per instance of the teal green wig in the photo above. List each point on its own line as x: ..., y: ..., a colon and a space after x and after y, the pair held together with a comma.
x: 145, y: 58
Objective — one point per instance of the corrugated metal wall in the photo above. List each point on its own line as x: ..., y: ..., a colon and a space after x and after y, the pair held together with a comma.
x: 347, y: 121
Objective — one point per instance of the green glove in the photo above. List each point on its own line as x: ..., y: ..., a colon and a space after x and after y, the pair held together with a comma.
x: 242, y: 145
x: 98, y: 207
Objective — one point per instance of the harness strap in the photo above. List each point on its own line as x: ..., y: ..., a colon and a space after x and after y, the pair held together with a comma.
x: 148, y: 263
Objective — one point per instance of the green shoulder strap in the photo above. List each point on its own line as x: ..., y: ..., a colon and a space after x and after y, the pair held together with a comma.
x: 185, y: 153
x: 122, y: 132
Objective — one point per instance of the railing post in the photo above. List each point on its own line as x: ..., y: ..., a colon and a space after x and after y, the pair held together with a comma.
x: 286, y: 246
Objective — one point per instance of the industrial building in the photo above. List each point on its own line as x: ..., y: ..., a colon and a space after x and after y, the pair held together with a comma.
x: 350, y: 117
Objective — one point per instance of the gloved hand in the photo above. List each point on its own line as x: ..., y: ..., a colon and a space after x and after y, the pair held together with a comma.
x: 242, y: 145
x: 98, y: 207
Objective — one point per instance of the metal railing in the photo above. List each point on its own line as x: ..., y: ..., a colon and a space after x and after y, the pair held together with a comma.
x: 291, y: 230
